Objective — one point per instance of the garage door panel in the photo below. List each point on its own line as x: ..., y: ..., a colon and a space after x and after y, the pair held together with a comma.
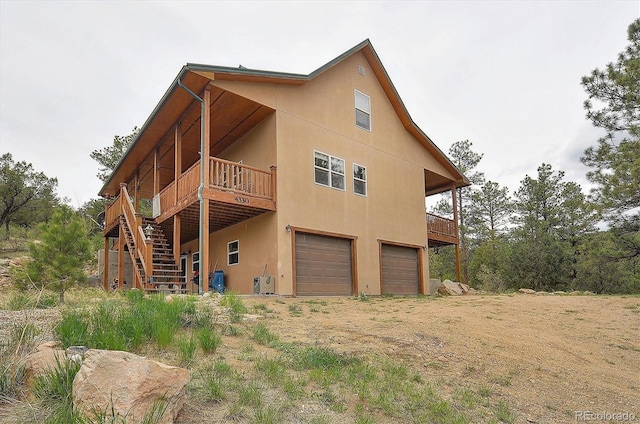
x: 400, y: 273
x: 323, y: 265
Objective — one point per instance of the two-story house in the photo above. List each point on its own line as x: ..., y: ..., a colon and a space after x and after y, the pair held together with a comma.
x: 318, y: 180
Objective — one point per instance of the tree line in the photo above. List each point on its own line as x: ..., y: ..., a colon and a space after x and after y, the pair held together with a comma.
x: 546, y: 235
x: 549, y: 235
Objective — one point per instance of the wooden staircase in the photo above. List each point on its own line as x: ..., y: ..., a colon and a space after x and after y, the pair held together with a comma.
x: 165, y: 275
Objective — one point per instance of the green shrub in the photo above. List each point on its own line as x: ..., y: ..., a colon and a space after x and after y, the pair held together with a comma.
x: 235, y: 306
x: 11, y: 378
x: 295, y: 310
x: 54, y: 390
x: 209, y: 339
x: 249, y: 395
x: 187, y: 351
x: 22, y: 338
x: 214, y: 381
x: 163, y: 334
x: 203, y: 318
x: 134, y: 295
x: 73, y: 330
x: 20, y: 300
x: 262, y: 335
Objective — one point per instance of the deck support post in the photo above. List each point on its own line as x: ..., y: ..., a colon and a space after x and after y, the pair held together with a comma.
x: 156, y: 172
x: 176, y: 239
x: 177, y: 149
x: 204, y: 203
x: 454, y: 199
x: 121, y: 258
x: 136, y: 191
x: 105, y: 265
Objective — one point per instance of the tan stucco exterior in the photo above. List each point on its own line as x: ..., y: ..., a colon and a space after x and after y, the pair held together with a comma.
x: 318, y: 114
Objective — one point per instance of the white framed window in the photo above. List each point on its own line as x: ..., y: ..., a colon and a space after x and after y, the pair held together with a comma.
x: 363, y: 110
x: 359, y: 179
x: 233, y: 252
x: 329, y: 170
x: 195, y: 267
x: 195, y: 261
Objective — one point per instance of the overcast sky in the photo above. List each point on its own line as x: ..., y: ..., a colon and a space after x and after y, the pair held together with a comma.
x: 503, y: 74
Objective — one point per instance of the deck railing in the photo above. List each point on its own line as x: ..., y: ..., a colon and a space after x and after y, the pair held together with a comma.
x: 167, y: 197
x: 240, y: 178
x: 223, y: 175
x: 112, y: 214
x: 189, y: 181
x: 441, y: 226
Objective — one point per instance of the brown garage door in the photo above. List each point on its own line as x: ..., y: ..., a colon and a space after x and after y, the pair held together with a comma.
x: 399, y: 270
x: 323, y: 265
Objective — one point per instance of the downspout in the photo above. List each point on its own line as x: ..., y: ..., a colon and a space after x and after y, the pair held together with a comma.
x: 201, y: 186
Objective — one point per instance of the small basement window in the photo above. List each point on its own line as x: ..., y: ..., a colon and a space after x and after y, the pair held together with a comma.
x: 233, y: 252
x: 363, y: 110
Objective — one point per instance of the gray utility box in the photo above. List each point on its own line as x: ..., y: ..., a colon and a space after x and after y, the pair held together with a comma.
x: 264, y: 285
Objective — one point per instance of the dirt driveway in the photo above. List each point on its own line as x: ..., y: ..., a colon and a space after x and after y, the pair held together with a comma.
x: 551, y: 357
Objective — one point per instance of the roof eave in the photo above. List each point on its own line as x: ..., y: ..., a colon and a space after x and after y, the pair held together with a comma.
x: 405, y: 117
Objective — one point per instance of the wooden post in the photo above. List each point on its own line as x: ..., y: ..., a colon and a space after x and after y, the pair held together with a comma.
x: 156, y: 172
x: 121, y: 259
x: 136, y: 191
x: 176, y: 238
x: 105, y: 265
x: 204, y: 255
x: 207, y: 137
x: 455, y: 224
x: 177, y: 147
x: 274, y: 182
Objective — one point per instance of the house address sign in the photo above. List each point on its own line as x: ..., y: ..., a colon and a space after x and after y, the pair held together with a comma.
x: 242, y: 199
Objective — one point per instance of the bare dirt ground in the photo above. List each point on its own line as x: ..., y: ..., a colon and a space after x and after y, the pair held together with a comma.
x: 548, y: 357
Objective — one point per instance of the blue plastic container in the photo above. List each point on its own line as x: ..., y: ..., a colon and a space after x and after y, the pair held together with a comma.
x: 217, y: 281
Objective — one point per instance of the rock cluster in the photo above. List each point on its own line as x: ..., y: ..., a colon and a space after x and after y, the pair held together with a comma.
x: 557, y: 292
x: 452, y: 288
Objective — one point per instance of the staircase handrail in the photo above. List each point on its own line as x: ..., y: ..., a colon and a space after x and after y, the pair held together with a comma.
x: 143, y: 248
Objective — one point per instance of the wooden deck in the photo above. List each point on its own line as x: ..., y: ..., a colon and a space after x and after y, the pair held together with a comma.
x: 440, y: 231
x: 235, y: 192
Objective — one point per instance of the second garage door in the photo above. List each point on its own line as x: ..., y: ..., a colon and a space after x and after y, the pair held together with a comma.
x: 400, y: 274
x: 323, y: 265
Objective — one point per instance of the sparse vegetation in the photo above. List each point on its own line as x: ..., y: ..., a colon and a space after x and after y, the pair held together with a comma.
x: 253, y: 372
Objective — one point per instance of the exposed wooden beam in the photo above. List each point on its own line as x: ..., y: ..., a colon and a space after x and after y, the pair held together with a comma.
x: 105, y: 265
x: 204, y: 255
x: 454, y: 198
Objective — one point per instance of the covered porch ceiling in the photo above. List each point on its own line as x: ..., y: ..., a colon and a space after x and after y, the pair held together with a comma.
x: 231, y: 116
x: 435, y: 183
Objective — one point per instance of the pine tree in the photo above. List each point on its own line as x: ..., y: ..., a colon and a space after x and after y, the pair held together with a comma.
x: 62, y: 252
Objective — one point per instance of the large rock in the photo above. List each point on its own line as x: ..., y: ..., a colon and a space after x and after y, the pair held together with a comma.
x: 527, y: 291
x: 43, y: 360
x: 128, y: 385
x: 450, y: 288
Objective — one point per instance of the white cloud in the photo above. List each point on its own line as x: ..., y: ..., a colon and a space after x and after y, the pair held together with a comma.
x: 504, y: 75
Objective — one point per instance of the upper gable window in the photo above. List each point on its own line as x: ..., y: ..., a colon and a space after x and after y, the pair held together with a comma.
x: 363, y: 111
x: 329, y: 170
